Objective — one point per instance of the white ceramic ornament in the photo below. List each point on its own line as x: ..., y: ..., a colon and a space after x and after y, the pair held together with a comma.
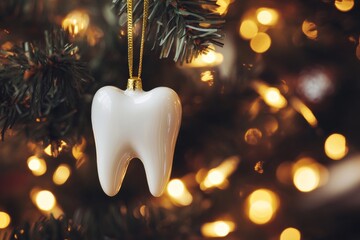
x: 135, y: 124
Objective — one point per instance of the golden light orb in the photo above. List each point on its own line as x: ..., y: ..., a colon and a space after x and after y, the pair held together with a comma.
x: 217, y: 229
x: 260, y: 43
x: 290, y: 234
x: 335, y: 146
x: 309, y: 29
x: 267, y: 16
x: 61, y: 174
x: 262, y: 205
x: 45, y: 200
x: 306, y: 178
x: 37, y: 165
x: 344, y: 5
x: 4, y: 220
x: 248, y: 29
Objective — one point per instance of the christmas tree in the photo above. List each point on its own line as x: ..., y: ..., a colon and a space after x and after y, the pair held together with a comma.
x: 267, y: 148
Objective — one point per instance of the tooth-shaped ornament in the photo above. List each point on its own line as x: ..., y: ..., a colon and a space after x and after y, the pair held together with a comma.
x: 135, y: 124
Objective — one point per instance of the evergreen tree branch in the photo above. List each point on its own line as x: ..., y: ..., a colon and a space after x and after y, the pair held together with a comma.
x: 184, y: 27
x: 40, y: 88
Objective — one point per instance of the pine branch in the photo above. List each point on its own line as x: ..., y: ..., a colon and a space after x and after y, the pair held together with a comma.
x: 40, y: 88
x: 184, y: 27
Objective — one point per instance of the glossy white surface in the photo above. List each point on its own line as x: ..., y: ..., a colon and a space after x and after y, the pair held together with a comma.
x: 135, y: 124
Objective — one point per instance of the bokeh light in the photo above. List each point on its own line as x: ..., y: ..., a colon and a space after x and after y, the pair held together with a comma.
x: 301, y: 108
x: 344, y: 5
x: 217, y: 177
x: 207, y: 77
x: 61, y: 174
x: 267, y: 16
x: 306, y: 178
x: 274, y: 98
x: 253, y: 136
x: 210, y: 58
x: 309, y: 29
x: 262, y: 205
x: 260, y: 43
x: 335, y: 146
x: 217, y: 229
x: 37, y: 165
x: 178, y: 192
x: 76, y: 22
x: 290, y: 234
x: 308, y: 174
x: 248, y: 29
x: 223, y: 6
x: 45, y: 200
x: 4, y: 220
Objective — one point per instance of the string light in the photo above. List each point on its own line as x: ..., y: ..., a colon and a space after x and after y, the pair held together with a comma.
x: 335, y: 146
x: 216, y: 177
x: 76, y: 22
x: 344, y: 5
x: 270, y: 95
x: 217, y: 229
x: 253, y: 136
x: 260, y: 43
x: 48, y: 151
x: 267, y: 16
x: 290, y: 234
x: 262, y: 205
x: 37, y: 165
x: 309, y: 29
x: 223, y: 6
x: 178, y: 192
x: 207, y: 77
x: 43, y: 199
x: 308, y: 174
x: 301, y: 108
x: 4, y: 220
x: 248, y: 29
x: 208, y: 59
x: 61, y: 174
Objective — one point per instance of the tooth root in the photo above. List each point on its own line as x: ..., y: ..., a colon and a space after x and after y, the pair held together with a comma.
x: 156, y: 151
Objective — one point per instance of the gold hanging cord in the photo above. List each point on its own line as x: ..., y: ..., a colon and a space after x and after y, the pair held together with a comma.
x: 135, y: 82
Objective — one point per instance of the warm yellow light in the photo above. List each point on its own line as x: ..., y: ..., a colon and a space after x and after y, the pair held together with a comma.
x: 335, y: 146
x: 207, y: 59
x: 301, y: 108
x: 45, y: 200
x: 267, y: 16
x: 309, y: 29
x: 223, y: 6
x: 48, y: 151
x: 36, y: 165
x: 260, y: 212
x: 217, y: 229
x: 248, y: 29
x: 175, y: 188
x: 290, y: 234
x: 4, y: 220
x: 306, y: 178
x: 274, y: 98
x: 270, y: 95
x: 262, y: 205
x: 216, y: 177
x: 344, y: 5
x: 76, y: 22
x: 61, y: 174
x: 178, y: 192
x: 208, y: 77
x: 253, y: 136
x: 260, y: 43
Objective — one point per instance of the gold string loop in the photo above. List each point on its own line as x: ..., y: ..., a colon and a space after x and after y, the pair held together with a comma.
x: 135, y: 82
